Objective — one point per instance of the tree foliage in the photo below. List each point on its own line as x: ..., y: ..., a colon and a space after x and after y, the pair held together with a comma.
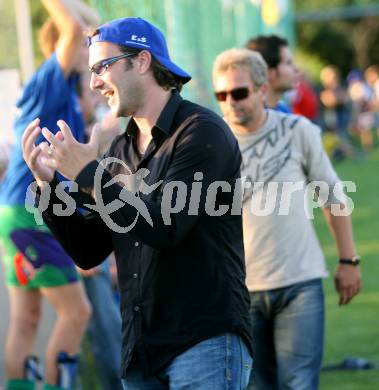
x: 8, y: 35
x: 38, y: 15
x: 348, y: 43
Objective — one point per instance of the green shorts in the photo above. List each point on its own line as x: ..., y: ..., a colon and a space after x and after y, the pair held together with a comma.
x: 30, y: 246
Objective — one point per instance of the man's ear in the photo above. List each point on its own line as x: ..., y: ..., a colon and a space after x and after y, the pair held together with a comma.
x: 143, y: 61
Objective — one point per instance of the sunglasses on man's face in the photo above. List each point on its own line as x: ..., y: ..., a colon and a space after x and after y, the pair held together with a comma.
x: 100, y: 67
x: 236, y: 93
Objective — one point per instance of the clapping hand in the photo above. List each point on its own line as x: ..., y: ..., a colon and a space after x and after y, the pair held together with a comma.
x: 33, y: 154
x: 65, y: 154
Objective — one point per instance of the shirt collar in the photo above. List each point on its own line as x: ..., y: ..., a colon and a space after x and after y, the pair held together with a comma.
x: 165, y: 120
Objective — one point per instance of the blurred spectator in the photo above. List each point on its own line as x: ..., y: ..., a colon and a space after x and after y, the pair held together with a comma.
x: 36, y: 265
x: 372, y: 78
x: 305, y: 99
x: 95, y: 110
x: 335, y: 108
x: 335, y: 99
x: 282, y: 71
x: 104, y: 328
x: 362, y: 120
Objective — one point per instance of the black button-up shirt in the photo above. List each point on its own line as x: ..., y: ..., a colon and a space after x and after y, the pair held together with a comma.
x: 182, y: 276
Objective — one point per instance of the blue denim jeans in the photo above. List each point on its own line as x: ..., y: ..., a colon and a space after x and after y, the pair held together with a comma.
x: 219, y: 363
x: 104, y: 328
x: 288, y: 335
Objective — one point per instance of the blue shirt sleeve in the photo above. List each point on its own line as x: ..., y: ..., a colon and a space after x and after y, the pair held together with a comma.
x: 283, y: 107
x: 48, y: 96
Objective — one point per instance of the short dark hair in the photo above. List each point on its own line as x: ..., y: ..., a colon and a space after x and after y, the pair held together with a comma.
x: 269, y: 46
x: 162, y: 75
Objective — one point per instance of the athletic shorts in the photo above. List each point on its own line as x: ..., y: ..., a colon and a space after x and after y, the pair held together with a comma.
x: 31, y: 247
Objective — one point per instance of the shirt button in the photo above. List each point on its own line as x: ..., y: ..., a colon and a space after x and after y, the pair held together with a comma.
x: 135, y: 276
x: 136, y: 308
x: 136, y: 244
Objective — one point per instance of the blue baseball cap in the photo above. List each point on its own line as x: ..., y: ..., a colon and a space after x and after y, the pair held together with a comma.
x: 140, y: 34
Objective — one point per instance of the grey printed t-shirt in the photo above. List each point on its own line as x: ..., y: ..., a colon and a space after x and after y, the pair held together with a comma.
x: 279, y: 161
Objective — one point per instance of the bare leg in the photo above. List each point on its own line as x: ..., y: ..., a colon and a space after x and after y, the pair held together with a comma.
x: 25, y: 309
x: 73, y: 312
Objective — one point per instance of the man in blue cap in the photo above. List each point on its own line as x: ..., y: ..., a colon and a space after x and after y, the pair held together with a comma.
x: 180, y: 259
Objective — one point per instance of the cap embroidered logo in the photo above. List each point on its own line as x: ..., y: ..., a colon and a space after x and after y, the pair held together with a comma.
x: 138, y: 39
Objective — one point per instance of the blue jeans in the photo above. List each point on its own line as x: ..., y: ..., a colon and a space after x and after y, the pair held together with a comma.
x: 218, y: 363
x: 104, y: 328
x: 288, y: 335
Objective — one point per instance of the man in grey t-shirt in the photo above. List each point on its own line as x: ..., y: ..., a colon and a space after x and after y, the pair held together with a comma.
x: 282, y: 158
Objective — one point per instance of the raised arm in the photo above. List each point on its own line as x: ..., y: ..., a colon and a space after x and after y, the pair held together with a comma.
x: 70, y: 17
x: 88, y: 15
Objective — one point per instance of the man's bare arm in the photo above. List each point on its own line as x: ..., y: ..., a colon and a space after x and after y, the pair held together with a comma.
x: 347, y: 278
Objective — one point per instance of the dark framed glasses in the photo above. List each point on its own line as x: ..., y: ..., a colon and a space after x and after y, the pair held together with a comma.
x: 236, y: 93
x: 100, y: 67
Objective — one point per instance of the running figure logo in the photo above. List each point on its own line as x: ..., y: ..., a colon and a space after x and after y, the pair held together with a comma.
x: 134, y: 184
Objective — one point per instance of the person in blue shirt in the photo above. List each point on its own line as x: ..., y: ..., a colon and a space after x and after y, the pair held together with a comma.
x: 282, y: 71
x: 35, y: 263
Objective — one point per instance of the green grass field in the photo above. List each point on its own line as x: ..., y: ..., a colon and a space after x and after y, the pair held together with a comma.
x: 353, y: 330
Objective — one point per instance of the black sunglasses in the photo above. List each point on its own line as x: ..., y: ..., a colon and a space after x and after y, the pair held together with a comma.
x: 237, y: 94
x: 100, y: 67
